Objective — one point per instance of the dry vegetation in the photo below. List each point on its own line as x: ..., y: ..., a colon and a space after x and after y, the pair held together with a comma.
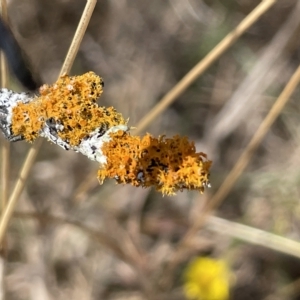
x: 73, y: 239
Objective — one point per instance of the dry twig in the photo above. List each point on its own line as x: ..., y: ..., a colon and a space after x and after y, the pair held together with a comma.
x: 235, y: 173
x: 29, y: 160
x: 5, y: 145
x: 205, y: 63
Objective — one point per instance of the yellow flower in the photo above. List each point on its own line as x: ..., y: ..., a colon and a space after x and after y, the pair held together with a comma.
x: 206, y: 279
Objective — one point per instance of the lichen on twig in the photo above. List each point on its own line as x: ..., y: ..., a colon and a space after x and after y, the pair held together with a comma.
x: 67, y: 114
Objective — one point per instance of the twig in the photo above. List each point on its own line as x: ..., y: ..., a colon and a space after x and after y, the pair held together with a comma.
x: 29, y: 160
x: 5, y: 155
x: 247, y: 154
x: 254, y: 236
x: 204, y: 64
x: 5, y: 145
x: 270, y: 63
x: 80, y: 31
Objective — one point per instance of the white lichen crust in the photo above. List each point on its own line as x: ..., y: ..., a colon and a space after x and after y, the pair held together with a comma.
x: 91, y: 146
x: 8, y: 100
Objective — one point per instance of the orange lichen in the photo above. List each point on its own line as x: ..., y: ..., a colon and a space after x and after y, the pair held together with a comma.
x: 71, y: 103
x: 67, y: 114
x: 167, y: 164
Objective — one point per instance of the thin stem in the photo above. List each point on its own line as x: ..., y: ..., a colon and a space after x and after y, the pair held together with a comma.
x: 5, y: 156
x: 248, y: 152
x: 6, y: 216
x: 254, y: 236
x: 5, y: 145
x: 204, y: 64
x: 80, y: 31
x: 32, y: 153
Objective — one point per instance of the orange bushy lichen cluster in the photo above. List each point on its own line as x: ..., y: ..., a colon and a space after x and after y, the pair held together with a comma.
x: 167, y: 164
x: 67, y: 114
x: 70, y: 103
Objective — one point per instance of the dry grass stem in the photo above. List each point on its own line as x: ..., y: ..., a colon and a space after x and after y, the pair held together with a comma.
x: 5, y: 165
x: 5, y: 154
x: 254, y: 236
x: 248, y: 152
x: 9, y: 209
x: 271, y: 62
x: 235, y: 173
x: 5, y: 145
x: 80, y: 31
x: 262, y: 238
x: 204, y: 64
x: 32, y: 153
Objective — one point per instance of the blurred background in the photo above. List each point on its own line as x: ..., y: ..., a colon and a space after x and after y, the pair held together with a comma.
x: 75, y: 239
